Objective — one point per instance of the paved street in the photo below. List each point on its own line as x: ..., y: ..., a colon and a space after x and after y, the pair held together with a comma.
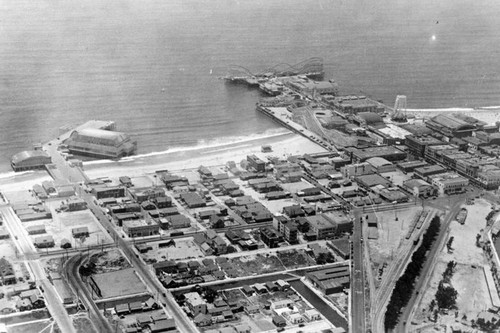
x: 358, y: 277
x: 27, y: 249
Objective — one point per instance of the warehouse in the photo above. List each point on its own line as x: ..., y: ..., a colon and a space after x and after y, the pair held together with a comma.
x: 100, y: 143
x: 330, y: 280
x: 30, y: 160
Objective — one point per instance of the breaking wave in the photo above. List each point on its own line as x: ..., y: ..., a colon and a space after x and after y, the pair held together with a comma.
x: 216, y: 143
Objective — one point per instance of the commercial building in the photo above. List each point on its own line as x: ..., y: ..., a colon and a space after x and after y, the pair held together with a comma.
x: 410, y: 166
x: 30, y: 160
x: 449, y: 183
x: 256, y: 163
x: 419, y: 187
x: 102, y: 191
x: 368, y: 181
x: 330, y: 280
x: 100, y: 143
x: 146, y: 193
x: 140, y: 228
x: 389, y: 153
x: 417, y: 144
x: 321, y: 226
x: 355, y: 104
x: 490, y: 177
x: 357, y: 169
x: 450, y: 125
x: 381, y: 165
x: 427, y: 171
x: 75, y: 204
x: 368, y: 119
x: 310, y: 87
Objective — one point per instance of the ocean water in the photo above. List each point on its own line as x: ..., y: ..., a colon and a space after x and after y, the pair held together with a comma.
x: 152, y: 66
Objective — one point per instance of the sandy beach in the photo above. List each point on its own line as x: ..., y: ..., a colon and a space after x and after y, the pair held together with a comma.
x: 283, y: 145
x: 489, y: 115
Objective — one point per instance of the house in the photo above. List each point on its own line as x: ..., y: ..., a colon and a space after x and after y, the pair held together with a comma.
x: 280, y: 304
x: 193, y: 265
x: 243, y: 328
x: 252, y: 308
x: 24, y: 304
x: 247, y: 290
x: 296, y: 318
x: 122, y: 309
x: 271, y: 237
x: 293, y: 211
x: 279, y: 321
x: 202, y: 320
x: 44, y: 241
x: 163, y: 326
x: 228, y: 314
x: 282, y: 285
x: 271, y: 286
x: 219, y: 275
x: 167, y: 266
x: 260, y: 288
x: 150, y: 304
x: 312, y: 315
x: 80, y: 232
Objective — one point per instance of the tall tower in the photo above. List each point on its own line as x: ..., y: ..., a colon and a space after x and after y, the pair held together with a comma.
x: 399, y: 114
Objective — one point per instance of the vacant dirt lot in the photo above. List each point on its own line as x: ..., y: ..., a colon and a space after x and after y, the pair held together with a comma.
x: 184, y: 249
x: 256, y: 264
x: 468, y: 279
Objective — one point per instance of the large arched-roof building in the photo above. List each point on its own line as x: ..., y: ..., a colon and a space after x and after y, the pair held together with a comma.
x: 30, y: 160
x: 368, y: 119
x: 100, y: 143
x: 450, y: 125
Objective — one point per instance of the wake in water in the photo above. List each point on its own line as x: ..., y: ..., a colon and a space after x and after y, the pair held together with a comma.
x: 204, y: 144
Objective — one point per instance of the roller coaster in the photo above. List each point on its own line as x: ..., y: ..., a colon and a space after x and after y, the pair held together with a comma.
x: 312, y: 67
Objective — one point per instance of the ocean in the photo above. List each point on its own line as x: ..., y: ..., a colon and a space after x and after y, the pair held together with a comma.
x: 153, y: 66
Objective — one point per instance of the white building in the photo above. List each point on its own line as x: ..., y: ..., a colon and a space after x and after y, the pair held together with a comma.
x: 449, y: 183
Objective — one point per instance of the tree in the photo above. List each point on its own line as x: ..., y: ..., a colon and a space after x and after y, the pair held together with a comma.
x: 448, y: 245
x: 325, y: 257
x: 210, y: 294
x: 432, y: 305
x: 446, y: 296
x: 231, y: 249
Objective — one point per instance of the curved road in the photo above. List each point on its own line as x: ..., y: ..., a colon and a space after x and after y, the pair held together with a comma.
x: 71, y: 269
x: 182, y: 321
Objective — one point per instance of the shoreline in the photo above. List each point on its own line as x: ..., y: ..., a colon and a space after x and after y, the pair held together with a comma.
x: 283, y: 145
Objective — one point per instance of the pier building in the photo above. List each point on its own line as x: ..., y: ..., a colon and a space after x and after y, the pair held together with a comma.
x: 100, y: 143
x: 30, y: 160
